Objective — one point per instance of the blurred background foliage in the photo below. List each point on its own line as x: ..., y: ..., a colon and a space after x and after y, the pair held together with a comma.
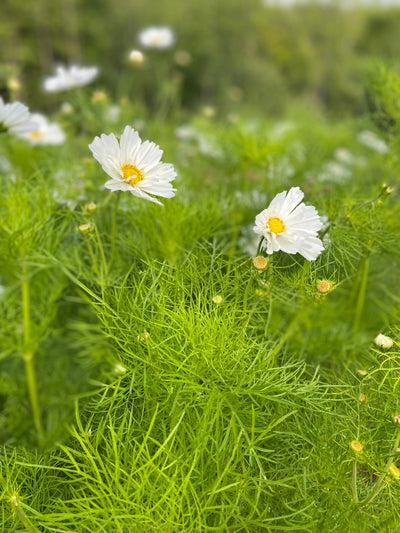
x: 243, y: 54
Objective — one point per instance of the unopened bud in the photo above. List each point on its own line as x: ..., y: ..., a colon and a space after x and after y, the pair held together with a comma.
x: 85, y: 228
x: 91, y: 207
x: 324, y: 286
x: 217, y: 299
x: 136, y: 57
x: 394, y: 471
x: 356, y: 446
x: 260, y: 262
x: 384, y: 342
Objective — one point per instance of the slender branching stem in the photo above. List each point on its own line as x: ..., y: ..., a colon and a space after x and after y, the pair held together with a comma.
x: 354, y: 482
x: 113, y: 233
x: 28, y: 354
x: 361, y: 295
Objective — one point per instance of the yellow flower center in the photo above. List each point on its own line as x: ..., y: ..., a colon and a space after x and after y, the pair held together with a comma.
x: 132, y: 174
x: 36, y: 134
x: 276, y: 225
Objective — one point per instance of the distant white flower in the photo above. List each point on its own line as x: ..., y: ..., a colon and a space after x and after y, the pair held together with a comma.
x: 46, y: 132
x: 290, y: 226
x: 334, y: 171
x: 157, y: 37
x: 371, y: 139
x: 66, y: 78
x: 15, y: 119
x: 344, y: 156
x: 186, y: 131
x: 113, y: 113
x: 134, y: 166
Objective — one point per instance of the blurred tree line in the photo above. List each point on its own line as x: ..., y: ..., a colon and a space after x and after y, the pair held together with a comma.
x: 241, y: 52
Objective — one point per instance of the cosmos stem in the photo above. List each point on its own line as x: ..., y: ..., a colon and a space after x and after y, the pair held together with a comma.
x: 28, y: 355
x: 113, y: 233
x: 354, y: 482
x: 364, y: 268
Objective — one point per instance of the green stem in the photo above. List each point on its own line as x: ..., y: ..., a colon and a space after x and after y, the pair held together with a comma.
x: 29, y: 358
x: 246, y: 292
x: 113, y: 232
x: 361, y: 297
x: 354, y: 482
x: 103, y: 257
x: 259, y: 246
x: 379, y: 483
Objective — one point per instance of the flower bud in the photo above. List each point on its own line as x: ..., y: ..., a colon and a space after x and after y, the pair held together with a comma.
x: 356, y: 446
x: 324, y: 286
x: 85, y: 228
x: 217, y: 299
x: 136, y: 57
x: 394, y: 471
x: 260, y: 262
x: 383, y: 342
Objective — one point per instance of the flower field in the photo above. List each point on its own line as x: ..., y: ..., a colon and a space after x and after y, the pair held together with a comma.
x: 199, y: 310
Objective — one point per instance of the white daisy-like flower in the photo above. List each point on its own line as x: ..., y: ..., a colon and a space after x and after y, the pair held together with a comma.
x: 157, y: 37
x: 134, y: 166
x: 291, y: 226
x: 70, y: 77
x: 46, y: 132
x: 15, y: 119
x: 371, y: 140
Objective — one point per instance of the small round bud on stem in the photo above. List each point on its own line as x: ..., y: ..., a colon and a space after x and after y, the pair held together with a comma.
x: 136, y: 57
x: 324, y: 286
x: 356, y: 446
x: 394, y: 471
x: 217, y: 299
x: 85, y: 228
x: 260, y: 262
x: 384, y: 342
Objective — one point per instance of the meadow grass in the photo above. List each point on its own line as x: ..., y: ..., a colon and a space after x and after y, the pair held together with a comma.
x: 132, y: 399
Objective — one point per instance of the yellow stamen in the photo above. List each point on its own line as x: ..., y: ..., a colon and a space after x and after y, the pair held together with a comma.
x: 132, y: 170
x: 276, y: 225
x: 36, y: 134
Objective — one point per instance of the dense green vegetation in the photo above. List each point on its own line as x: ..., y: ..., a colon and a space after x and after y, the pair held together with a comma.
x: 151, y: 378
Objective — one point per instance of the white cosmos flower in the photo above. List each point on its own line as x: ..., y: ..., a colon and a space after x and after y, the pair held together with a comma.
x: 371, y: 139
x: 70, y: 77
x: 157, y: 37
x: 134, y: 166
x: 290, y: 226
x: 15, y: 119
x: 46, y: 132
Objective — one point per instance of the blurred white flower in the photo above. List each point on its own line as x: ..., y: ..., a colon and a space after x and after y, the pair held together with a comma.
x: 66, y: 108
x: 371, y: 140
x: 186, y: 131
x: 134, y: 166
x: 2, y: 290
x: 136, y: 57
x: 290, y: 226
x: 46, y: 132
x: 344, y: 156
x: 66, y: 78
x: 332, y: 171
x: 157, y: 37
x: 15, y: 119
x: 113, y: 113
